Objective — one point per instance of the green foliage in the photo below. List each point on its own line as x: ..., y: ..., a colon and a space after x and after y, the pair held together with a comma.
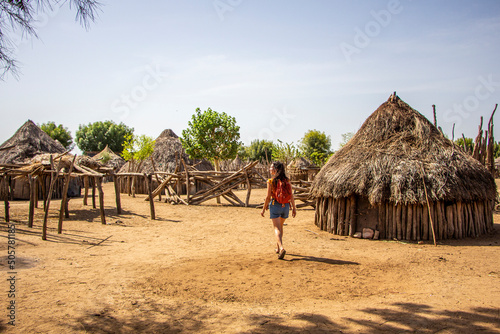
x: 496, y: 150
x: 138, y: 148
x: 285, y: 152
x: 105, y: 157
x: 211, y: 135
x: 319, y: 159
x: 315, y: 145
x: 345, y: 138
x: 469, y: 144
x: 95, y: 136
x: 59, y: 133
x: 260, y: 150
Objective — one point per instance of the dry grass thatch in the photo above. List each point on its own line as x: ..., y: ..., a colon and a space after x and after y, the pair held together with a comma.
x: 300, y: 163
x: 384, y: 161
x: 166, y: 145
x: 115, y: 161
x: 28, y: 142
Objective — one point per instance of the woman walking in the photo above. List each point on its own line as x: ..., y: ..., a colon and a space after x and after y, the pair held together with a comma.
x: 279, y: 198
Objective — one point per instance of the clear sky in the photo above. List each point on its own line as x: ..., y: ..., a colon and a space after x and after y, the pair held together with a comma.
x: 280, y: 67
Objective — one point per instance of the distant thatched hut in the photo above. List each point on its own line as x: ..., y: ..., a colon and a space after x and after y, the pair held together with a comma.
x: 302, y: 169
x: 109, y: 158
x: 395, y: 169
x: 165, y: 160
x: 28, y: 144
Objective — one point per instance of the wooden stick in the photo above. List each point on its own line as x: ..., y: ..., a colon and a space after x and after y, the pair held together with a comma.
x: 352, y: 216
x: 53, y: 180
x: 156, y: 175
x: 86, y: 192
x: 31, y: 215
x: 98, y: 181
x: 93, y: 181
x: 428, y: 205
x: 100, y: 242
x: 149, y: 183
x: 6, y: 199
x: 64, y: 199
x: 116, y: 182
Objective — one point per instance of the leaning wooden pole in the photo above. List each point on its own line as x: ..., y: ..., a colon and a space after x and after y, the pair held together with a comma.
x: 98, y: 182
x: 64, y: 200
x: 116, y: 182
x: 149, y: 184
x: 6, y: 198
x: 53, y: 178
x: 31, y: 215
x: 428, y: 206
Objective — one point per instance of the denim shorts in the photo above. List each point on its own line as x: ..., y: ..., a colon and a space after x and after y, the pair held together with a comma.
x: 278, y: 210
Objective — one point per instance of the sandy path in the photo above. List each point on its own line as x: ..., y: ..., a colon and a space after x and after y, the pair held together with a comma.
x: 212, y: 269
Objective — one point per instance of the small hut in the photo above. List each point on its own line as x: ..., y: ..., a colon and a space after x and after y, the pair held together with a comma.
x: 166, y: 154
x: 398, y: 174
x: 302, y: 169
x: 109, y: 158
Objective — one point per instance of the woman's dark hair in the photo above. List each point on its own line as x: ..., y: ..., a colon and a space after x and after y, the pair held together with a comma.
x: 280, y: 173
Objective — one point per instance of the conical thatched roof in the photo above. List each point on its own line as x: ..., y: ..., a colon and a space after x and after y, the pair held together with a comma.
x: 164, y: 155
x: 384, y: 160
x: 115, y: 161
x: 28, y: 141
x: 301, y: 163
x: 236, y: 164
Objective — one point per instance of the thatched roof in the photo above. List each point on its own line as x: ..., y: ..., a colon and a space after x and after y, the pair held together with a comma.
x: 301, y: 163
x: 115, y: 161
x: 236, y: 164
x: 28, y: 141
x: 166, y: 145
x: 384, y: 160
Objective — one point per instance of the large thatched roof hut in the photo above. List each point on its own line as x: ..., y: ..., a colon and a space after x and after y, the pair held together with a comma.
x: 396, y: 169
x: 31, y: 145
x: 168, y: 149
x: 28, y: 142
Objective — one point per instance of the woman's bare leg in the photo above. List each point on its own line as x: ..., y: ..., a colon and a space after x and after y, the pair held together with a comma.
x: 278, y: 231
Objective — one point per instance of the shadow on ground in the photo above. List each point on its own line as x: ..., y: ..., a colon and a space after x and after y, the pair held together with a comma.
x: 186, y: 317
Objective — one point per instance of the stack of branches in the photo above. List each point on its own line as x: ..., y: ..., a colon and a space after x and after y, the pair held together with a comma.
x: 219, y: 184
x: 484, y: 146
x: 301, y: 192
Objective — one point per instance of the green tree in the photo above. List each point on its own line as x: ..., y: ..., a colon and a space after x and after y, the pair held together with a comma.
x: 285, y: 152
x: 469, y: 144
x: 211, y: 135
x: 316, y: 145
x: 260, y: 150
x: 59, y: 133
x: 345, y: 138
x: 137, y: 149
x: 21, y: 16
x: 95, y: 136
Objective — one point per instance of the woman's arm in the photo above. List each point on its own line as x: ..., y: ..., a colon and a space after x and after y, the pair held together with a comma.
x: 268, y: 199
x: 294, y: 208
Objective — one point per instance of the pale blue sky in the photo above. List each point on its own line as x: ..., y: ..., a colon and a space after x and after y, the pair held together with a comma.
x: 279, y: 67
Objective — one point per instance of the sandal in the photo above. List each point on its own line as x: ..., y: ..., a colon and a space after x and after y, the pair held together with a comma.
x: 281, y: 254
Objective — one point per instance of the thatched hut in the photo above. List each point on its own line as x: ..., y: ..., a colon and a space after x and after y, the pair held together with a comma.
x: 28, y: 141
x: 302, y: 169
x: 396, y: 170
x: 109, y: 158
x: 167, y: 152
x: 30, y: 145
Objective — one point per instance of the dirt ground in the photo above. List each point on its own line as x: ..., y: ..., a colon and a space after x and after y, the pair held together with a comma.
x: 212, y: 269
